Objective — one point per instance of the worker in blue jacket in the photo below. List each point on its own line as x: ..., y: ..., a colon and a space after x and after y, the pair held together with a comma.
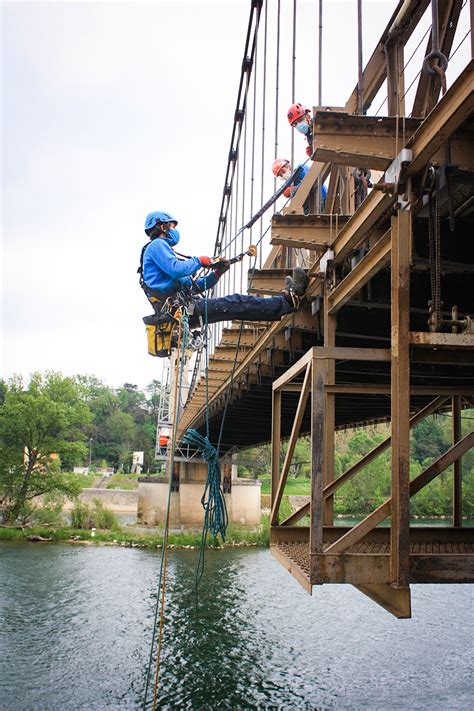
x: 163, y: 274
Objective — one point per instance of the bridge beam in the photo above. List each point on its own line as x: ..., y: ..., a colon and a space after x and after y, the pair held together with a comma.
x: 314, y: 232
x: 362, y: 141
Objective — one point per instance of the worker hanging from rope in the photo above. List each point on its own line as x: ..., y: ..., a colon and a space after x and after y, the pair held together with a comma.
x: 282, y: 169
x: 165, y: 276
x: 299, y: 117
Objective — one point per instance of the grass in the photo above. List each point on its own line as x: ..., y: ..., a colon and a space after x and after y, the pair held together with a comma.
x: 153, y: 539
x: 123, y: 481
x: 294, y: 487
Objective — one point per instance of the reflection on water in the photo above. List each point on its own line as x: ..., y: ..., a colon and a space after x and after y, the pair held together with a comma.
x: 77, y: 625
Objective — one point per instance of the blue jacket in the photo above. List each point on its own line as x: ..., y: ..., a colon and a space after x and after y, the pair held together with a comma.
x: 302, y: 175
x: 165, y: 273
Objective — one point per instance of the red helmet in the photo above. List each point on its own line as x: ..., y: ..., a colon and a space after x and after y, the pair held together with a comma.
x: 278, y: 165
x: 295, y: 112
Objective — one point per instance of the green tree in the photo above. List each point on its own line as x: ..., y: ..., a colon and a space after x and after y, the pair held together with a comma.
x: 427, y: 440
x: 47, y: 417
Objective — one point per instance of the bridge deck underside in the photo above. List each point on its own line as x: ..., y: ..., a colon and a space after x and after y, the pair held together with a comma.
x: 364, y: 321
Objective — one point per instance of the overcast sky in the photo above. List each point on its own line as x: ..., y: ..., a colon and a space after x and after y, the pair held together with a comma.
x: 112, y: 110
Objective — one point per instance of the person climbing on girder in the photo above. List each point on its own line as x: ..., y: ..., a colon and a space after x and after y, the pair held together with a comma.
x: 163, y: 274
x: 282, y: 169
x: 299, y: 117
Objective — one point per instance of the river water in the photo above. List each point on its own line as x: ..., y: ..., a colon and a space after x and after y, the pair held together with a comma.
x: 76, y: 629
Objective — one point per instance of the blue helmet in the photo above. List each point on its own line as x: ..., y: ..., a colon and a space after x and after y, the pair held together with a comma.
x: 155, y: 218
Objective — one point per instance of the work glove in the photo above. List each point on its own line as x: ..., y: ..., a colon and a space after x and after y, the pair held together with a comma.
x: 221, y: 267
x: 205, y: 261
x: 309, y: 151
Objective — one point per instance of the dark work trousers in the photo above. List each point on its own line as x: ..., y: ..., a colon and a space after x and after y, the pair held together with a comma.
x: 240, y: 307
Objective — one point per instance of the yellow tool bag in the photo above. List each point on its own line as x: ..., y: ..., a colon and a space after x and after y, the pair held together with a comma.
x: 162, y: 334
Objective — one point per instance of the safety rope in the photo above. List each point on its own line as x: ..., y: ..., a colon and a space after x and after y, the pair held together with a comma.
x: 160, y: 597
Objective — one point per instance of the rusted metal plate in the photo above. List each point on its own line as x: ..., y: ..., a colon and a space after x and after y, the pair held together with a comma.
x: 267, y: 281
x: 313, y: 232
x: 442, y: 340
x: 362, y: 141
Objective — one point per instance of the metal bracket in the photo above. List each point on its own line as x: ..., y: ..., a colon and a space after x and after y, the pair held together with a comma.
x: 394, y: 172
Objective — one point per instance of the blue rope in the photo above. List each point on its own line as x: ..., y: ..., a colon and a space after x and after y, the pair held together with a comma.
x: 216, y: 518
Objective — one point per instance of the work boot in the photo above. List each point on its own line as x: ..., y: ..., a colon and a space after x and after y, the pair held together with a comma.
x: 295, y: 286
x: 300, y: 281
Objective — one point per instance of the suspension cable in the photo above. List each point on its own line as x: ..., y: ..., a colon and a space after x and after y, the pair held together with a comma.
x: 264, y: 93
x: 254, y: 124
x: 277, y: 89
x: 240, y: 112
x: 293, y: 79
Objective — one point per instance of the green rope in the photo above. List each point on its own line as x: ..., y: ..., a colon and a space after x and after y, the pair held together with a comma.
x: 216, y: 518
x: 212, y: 500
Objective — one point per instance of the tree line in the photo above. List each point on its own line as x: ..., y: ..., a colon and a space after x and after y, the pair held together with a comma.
x: 52, y: 423
x: 371, y: 487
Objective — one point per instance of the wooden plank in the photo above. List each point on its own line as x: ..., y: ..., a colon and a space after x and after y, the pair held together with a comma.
x: 330, y: 324
x: 343, y: 353
x: 336, y: 353
x: 364, y: 389
x: 295, y: 430
x: 294, y: 371
x: 442, y: 340
x: 457, y: 465
x: 368, y: 214
x: 276, y: 442
x: 395, y: 77
x: 317, y: 464
x: 400, y: 401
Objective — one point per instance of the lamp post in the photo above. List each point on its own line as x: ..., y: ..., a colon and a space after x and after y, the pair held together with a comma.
x: 90, y: 452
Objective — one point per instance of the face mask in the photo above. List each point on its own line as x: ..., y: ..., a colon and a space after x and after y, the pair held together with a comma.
x: 173, y: 235
x: 302, y: 127
x: 285, y: 174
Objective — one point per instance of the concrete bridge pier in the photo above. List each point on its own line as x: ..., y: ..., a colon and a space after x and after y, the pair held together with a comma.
x: 242, y: 497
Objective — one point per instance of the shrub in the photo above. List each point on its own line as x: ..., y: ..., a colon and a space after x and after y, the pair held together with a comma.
x: 96, y: 516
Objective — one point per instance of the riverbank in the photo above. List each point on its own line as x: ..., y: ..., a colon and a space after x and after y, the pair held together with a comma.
x: 133, y: 537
